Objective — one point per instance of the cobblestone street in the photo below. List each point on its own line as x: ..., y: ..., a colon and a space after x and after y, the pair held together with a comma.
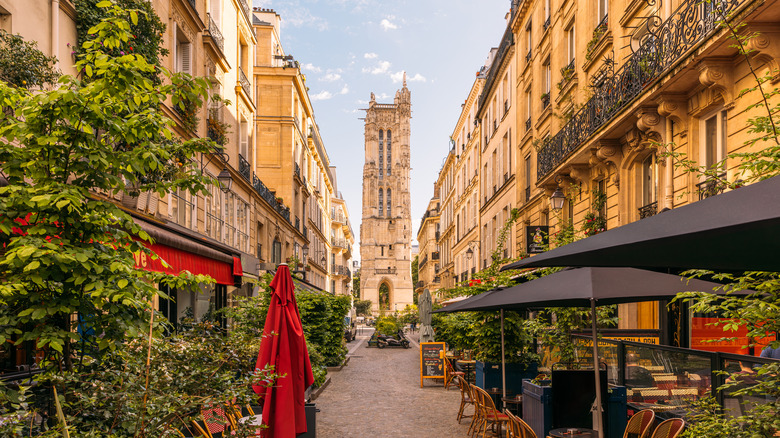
x: 378, y: 394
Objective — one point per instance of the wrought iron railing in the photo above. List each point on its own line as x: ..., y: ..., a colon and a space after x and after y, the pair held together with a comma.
x: 216, y: 35
x: 435, y: 255
x: 246, y: 9
x: 269, y: 197
x: 243, y: 168
x: 338, y: 242
x: 297, y: 170
x: 648, y: 210
x: 528, y: 124
x: 193, y: 4
x: 527, y: 194
x: 546, y: 24
x: 528, y: 56
x: 305, y: 231
x: 545, y: 100
x: 711, y: 186
x: 663, y: 46
x: 297, y: 223
x: 245, y: 85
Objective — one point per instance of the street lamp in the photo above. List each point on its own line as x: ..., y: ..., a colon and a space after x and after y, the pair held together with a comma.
x: 225, y: 180
x: 557, y: 199
x: 469, y: 253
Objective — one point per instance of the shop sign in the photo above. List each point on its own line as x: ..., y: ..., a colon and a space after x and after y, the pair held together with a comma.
x: 537, y: 238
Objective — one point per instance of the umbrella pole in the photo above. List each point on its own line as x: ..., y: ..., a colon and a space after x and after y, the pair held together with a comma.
x: 503, y: 359
x: 598, y: 418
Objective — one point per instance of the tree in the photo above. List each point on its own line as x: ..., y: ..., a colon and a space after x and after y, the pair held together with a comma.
x: 415, y: 270
x: 363, y: 307
x: 356, y: 285
x: 23, y: 65
x: 68, y: 250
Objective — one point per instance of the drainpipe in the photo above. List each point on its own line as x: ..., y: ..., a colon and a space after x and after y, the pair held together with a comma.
x: 55, y: 29
x: 668, y: 168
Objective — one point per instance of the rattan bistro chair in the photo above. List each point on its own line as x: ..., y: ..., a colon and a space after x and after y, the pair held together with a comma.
x: 669, y: 429
x: 517, y: 427
x: 466, y: 398
x: 489, y: 415
x: 451, y: 373
x: 640, y: 424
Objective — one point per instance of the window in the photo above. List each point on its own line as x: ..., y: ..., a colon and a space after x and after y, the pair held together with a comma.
x: 714, y: 139
x: 603, y: 11
x: 381, y: 154
x: 389, y: 149
x: 547, y: 76
x: 381, y: 202
x: 528, y: 41
x: 183, y: 208
x: 571, y: 46
x: 183, y: 52
x: 649, y: 175
x: 276, y: 255
x: 528, y: 110
x: 527, y: 178
x: 389, y: 201
x: 243, y: 133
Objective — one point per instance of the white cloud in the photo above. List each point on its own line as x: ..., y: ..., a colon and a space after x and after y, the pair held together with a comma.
x: 311, y: 68
x: 302, y: 17
x: 344, y: 90
x: 382, y: 67
x: 330, y: 77
x: 387, y: 24
x: 399, y: 76
x: 322, y: 95
x: 371, y: 55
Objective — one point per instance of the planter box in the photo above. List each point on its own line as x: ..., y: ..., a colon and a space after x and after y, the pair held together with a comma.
x: 617, y: 413
x: 488, y: 375
x: 537, y: 407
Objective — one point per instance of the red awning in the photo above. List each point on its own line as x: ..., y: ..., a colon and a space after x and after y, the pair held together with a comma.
x: 182, y: 260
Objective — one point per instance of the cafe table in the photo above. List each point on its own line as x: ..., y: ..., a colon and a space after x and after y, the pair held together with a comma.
x: 573, y: 432
x: 468, y: 367
x: 495, y: 394
x: 514, y: 404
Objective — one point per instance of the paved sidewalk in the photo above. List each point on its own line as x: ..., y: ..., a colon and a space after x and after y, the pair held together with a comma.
x: 378, y: 395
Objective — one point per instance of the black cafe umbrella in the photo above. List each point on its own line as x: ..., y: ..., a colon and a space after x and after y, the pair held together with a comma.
x: 583, y: 287
x: 735, y: 231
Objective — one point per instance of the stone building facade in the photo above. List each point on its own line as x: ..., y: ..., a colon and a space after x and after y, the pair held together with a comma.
x: 429, y: 256
x: 386, y: 228
x: 597, y: 96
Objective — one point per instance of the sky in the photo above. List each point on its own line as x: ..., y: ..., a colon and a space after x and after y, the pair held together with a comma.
x: 350, y: 48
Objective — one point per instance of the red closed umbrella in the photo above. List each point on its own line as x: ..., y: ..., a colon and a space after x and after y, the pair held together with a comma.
x: 284, y: 347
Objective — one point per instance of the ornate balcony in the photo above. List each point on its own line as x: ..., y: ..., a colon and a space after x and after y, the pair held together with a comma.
x: 216, y: 35
x: 546, y: 24
x: 269, y: 197
x: 245, y: 85
x: 245, y: 7
x: 648, y: 210
x: 711, y: 186
x: 527, y: 124
x: 658, y: 50
x: 243, y: 168
x: 528, y: 56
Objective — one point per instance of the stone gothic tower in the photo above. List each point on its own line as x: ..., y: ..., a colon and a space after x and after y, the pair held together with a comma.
x: 386, y: 229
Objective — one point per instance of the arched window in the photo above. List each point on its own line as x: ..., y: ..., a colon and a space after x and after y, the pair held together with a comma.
x: 381, y: 202
x: 389, y: 150
x: 381, y: 153
x: 389, y: 201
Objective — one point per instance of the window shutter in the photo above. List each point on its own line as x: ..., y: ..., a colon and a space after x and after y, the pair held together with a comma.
x: 186, y: 54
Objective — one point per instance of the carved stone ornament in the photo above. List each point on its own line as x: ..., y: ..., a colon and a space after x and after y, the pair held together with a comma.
x: 675, y: 107
x: 579, y: 172
x: 611, y: 153
x: 648, y: 119
x: 715, y: 74
x: 764, y: 46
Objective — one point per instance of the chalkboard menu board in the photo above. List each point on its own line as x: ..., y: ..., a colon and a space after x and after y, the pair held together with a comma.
x: 431, y: 361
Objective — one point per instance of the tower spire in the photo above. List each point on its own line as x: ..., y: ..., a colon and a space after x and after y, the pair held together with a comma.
x: 404, y: 78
